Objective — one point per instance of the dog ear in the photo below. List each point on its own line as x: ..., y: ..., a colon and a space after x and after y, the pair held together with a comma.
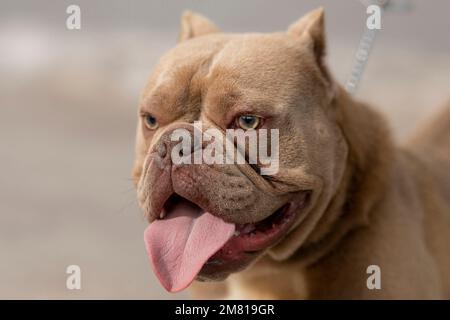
x: 194, y: 25
x: 310, y: 29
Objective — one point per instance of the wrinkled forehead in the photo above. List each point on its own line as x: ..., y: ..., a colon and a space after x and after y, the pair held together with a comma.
x: 224, y: 69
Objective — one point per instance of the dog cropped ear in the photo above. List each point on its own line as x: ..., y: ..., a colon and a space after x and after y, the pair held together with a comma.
x: 310, y: 29
x: 194, y: 25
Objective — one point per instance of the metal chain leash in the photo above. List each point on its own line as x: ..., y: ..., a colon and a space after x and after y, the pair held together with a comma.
x: 367, y: 39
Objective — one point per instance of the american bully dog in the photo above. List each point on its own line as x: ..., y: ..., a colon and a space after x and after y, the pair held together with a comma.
x: 345, y: 204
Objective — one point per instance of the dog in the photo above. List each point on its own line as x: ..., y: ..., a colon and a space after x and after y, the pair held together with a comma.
x: 345, y: 199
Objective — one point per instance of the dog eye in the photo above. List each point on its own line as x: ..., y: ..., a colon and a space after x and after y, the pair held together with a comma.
x: 150, y: 122
x: 247, y: 122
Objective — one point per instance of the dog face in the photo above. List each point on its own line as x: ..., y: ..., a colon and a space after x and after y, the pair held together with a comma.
x: 238, y: 81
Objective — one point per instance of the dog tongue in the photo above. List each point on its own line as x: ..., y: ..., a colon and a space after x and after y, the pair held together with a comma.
x: 180, y: 244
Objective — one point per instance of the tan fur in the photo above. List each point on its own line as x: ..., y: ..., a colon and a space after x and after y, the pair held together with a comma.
x: 373, y: 203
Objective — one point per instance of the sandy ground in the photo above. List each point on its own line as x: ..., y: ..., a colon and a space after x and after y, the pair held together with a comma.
x: 67, y: 118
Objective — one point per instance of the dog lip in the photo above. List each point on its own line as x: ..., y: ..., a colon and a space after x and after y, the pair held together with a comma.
x: 279, y: 222
x: 242, y: 247
x: 159, y: 211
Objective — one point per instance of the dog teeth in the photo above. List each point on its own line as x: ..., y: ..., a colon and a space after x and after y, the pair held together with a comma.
x: 248, y: 228
x: 162, y: 214
x: 236, y: 233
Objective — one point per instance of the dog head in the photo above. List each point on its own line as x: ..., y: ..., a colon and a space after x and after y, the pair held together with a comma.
x: 209, y: 219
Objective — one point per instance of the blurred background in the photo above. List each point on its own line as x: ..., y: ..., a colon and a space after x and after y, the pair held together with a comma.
x: 68, y: 105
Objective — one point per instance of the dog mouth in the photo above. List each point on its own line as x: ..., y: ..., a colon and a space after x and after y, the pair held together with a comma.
x: 254, y: 237
x: 187, y: 242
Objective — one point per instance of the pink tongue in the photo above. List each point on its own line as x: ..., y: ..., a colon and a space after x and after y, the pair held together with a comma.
x: 180, y: 244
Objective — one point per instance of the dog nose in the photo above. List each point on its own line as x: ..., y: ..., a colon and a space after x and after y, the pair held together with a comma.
x: 162, y: 150
x: 174, y: 136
